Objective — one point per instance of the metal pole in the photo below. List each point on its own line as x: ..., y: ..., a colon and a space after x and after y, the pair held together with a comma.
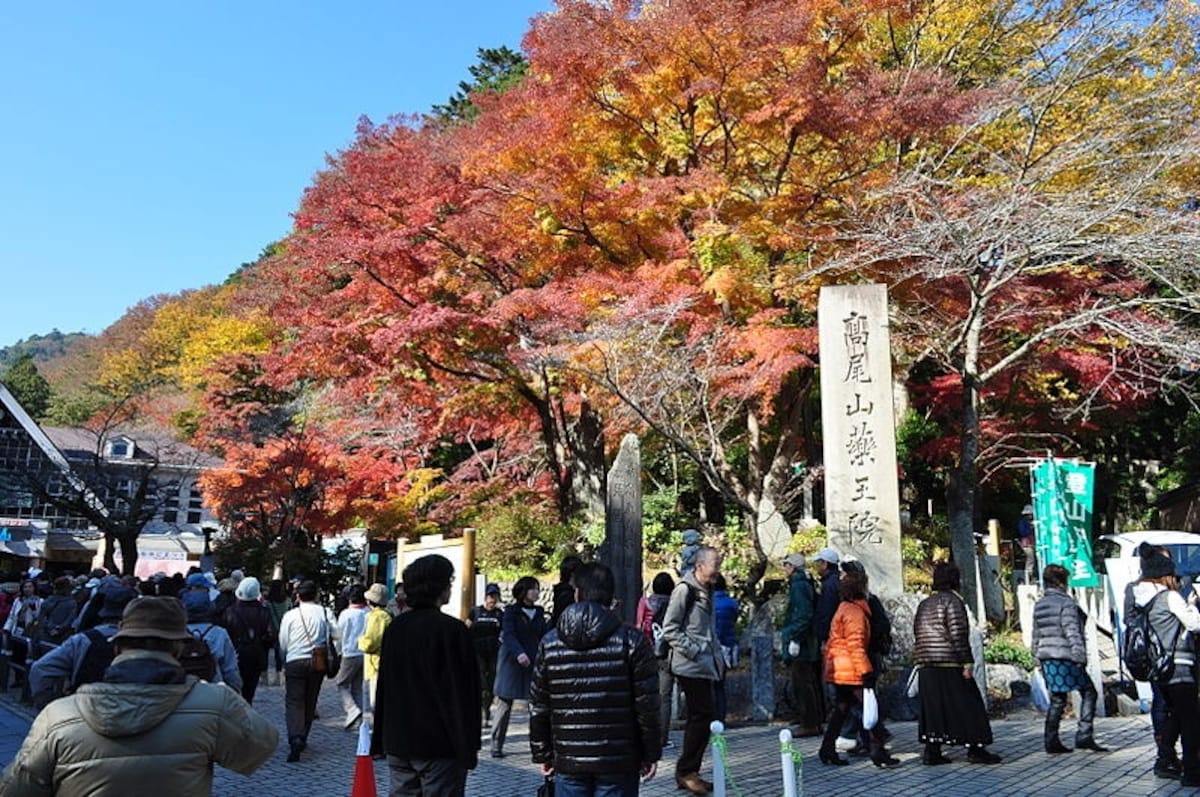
x: 717, y: 728
x: 789, y: 766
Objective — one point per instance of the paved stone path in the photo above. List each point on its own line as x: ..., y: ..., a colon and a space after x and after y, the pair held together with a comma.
x: 328, y: 765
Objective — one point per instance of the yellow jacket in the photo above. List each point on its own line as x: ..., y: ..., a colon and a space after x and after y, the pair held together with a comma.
x: 371, y: 641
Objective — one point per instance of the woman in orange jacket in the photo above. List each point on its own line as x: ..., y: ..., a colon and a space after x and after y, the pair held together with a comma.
x: 848, y: 667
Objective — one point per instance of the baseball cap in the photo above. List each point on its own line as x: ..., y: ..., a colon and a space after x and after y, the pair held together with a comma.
x: 827, y: 555
x: 491, y: 589
x: 794, y: 559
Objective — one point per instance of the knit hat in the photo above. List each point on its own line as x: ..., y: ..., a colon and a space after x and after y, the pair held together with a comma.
x: 1155, y: 563
x: 116, y: 598
x: 248, y: 589
x: 376, y: 594
x: 197, y: 605
x: 160, y: 618
x: 795, y: 560
x: 827, y: 555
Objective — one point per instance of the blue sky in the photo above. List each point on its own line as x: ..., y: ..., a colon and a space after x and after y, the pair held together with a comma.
x: 151, y: 147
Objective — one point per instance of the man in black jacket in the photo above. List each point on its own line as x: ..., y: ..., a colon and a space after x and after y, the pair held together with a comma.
x: 593, y: 704
x: 427, y: 707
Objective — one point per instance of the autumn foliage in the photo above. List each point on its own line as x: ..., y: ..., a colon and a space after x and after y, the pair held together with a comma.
x: 632, y: 235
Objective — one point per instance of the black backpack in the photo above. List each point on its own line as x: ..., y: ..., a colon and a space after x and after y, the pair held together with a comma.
x: 197, y: 657
x: 250, y: 637
x: 1146, y: 657
x: 881, y: 629
x: 662, y: 648
x: 96, y: 659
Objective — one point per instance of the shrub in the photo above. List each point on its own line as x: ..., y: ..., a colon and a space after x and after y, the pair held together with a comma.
x: 1007, y: 648
x: 520, y: 539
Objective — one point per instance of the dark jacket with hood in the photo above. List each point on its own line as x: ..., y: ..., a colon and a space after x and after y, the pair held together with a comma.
x: 593, y: 704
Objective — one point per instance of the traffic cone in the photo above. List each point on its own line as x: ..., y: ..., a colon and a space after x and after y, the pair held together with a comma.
x: 364, y: 770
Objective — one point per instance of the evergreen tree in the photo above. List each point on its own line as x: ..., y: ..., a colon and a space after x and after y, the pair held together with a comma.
x: 498, y: 68
x: 28, y: 386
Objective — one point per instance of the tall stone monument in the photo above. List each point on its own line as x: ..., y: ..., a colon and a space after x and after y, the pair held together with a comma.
x: 622, y: 546
x: 862, y: 500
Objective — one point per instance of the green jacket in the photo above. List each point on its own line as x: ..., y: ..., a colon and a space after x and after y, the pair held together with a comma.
x: 139, y: 738
x: 798, y: 624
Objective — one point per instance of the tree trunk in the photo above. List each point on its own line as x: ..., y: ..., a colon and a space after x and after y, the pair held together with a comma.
x: 110, y: 558
x: 586, y: 467
x: 129, y: 553
x: 962, y: 491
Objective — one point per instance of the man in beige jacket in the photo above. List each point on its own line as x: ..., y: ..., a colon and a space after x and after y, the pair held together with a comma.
x: 147, y: 725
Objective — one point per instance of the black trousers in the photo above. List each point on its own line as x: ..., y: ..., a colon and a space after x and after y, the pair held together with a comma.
x: 846, y: 698
x: 698, y: 695
x: 806, y: 692
x: 250, y: 671
x: 1183, y: 718
x: 439, y: 777
x: 301, y: 688
x: 487, y: 677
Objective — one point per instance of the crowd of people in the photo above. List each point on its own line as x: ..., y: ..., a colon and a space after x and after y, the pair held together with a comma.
x: 170, y: 640
x: 600, y: 692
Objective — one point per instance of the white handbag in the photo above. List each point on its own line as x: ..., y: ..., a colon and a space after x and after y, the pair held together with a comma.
x: 870, y: 709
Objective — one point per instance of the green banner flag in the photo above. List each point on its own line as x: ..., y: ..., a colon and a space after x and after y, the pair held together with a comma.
x: 1062, y: 506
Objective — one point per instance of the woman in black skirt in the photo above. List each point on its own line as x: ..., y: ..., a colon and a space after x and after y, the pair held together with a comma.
x: 952, y: 710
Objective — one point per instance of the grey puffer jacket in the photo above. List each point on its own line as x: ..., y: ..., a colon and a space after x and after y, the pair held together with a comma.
x: 593, y: 702
x: 154, y: 730
x: 942, y: 631
x: 689, y: 629
x: 1058, y: 628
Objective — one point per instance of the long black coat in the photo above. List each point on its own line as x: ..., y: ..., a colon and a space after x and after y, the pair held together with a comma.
x: 428, y: 703
x: 518, y: 634
x: 593, y: 704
